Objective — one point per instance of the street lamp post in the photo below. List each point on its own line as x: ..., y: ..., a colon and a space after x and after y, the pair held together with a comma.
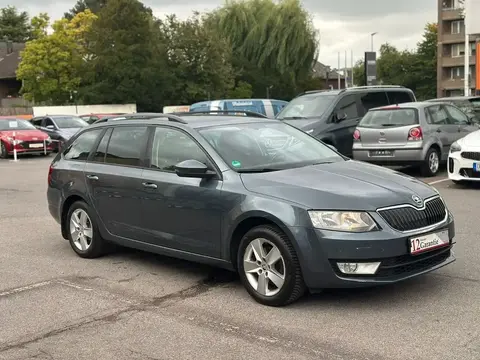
x: 371, y: 40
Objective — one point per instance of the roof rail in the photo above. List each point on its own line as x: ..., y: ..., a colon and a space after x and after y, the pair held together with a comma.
x: 169, y: 117
x: 225, y: 112
x: 375, y: 86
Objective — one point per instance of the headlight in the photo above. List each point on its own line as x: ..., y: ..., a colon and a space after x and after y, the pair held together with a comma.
x: 350, y: 221
x: 10, y: 140
x: 455, y: 147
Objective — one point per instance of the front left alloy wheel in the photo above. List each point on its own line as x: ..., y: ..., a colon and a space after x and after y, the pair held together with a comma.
x: 83, y: 233
x: 269, y: 267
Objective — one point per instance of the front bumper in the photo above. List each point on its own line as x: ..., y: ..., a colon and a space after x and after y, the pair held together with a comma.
x: 25, y: 148
x: 319, y: 252
x: 399, y: 157
x: 461, y: 169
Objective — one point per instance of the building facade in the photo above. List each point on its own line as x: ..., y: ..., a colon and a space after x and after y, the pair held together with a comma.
x: 451, y: 51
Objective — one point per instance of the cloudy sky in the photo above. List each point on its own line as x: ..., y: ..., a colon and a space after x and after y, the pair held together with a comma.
x: 344, y: 25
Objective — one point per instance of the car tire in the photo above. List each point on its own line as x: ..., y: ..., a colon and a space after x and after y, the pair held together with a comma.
x: 83, y: 234
x: 431, y: 164
x: 260, y: 274
x: 3, y: 150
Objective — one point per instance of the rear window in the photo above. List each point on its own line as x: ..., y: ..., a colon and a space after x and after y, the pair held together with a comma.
x: 390, y: 118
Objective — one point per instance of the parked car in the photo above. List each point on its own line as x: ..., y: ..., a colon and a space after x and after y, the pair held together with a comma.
x: 470, y: 105
x: 59, y: 127
x: 410, y: 134
x: 267, y: 107
x: 22, y: 136
x: 211, y: 189
x: 332, y: 115
x: 464, y: 159
x: 91, y: 118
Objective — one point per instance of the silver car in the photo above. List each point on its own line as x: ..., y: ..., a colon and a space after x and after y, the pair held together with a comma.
x: 415, y: 133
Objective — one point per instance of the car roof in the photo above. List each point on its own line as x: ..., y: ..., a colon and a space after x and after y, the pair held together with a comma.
x: 409, y: 105
x: 191, y: 120
x: 356, y: 89
x: 454, y: 98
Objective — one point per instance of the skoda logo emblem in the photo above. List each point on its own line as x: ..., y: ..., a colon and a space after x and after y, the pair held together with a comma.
x: 416, y: 199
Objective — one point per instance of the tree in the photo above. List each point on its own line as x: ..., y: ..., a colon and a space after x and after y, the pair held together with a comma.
x: 274, y: 43
x: 93, y: 5
x: 53, y: 65
x: 359, y: 73
x: 199, y: 59
x: 128, y: 61
x: 14, y: 25
x: 39, y: 26
x: 243, y: 90
x: 426, y: 64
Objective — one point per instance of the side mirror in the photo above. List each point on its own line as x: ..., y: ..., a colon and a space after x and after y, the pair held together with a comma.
x: 332, y: 147
x: 193, y: 169
x: 340, y: 116
x: 50, y: 127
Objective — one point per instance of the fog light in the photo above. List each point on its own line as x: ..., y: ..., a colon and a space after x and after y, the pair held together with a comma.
x: 358, y: 268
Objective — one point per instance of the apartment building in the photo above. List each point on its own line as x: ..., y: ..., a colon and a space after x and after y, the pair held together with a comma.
x: 451, y: 50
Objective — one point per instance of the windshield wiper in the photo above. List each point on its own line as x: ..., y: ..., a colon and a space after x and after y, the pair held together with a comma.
x: 261, y: 170
x: 293, y: 118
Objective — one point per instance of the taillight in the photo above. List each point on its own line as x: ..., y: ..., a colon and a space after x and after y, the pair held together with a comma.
x: 415, y: 134
x: 50, y: 171
x: 356, y: 135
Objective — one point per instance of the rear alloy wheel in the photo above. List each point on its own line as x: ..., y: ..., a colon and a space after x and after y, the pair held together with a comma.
x: 83, y: 234
x: 3, y: 150
x: 269, y: 268
x: 431, y: 163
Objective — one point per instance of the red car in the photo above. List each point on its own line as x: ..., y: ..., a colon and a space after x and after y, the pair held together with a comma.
x: 25, y: 137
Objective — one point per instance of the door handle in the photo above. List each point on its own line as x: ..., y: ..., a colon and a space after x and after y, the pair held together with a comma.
x: 92, y: 177
x: 439, y: 131
x: 149, y: 185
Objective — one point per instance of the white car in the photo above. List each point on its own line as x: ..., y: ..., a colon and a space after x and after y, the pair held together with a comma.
x: 464, y: 159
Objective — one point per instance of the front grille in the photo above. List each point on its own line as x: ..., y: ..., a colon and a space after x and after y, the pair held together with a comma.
x: 469, y: 173
x: 471, y: 155
x: 403, y: 265
x: 408, y: 218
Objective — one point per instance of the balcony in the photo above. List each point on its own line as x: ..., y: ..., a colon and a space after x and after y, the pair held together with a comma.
x: 456, y: 61
x: 453, y: 38
x: 451, y: 14
x: 453, y: 84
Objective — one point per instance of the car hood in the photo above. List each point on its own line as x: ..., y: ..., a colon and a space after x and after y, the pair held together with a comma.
x: 347, y: 185
x: 67, y: 133
x: 471, y: 140
x: 25, y: 135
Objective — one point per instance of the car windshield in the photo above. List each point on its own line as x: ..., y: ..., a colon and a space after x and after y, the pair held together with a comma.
x: 306, y: 106
x: 389, y: 118
x: 15, y: 124
x: 262, y: 147
x: 65, y: 122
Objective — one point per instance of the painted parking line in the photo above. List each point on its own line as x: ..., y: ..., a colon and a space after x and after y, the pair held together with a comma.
x: 438, y: 181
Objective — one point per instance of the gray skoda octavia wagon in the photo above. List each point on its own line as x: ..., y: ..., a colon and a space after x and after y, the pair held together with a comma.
x: 249, y: 194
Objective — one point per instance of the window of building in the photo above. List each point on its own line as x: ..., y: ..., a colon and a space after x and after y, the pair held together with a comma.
x: 457, y: 27
x: 459, y: 50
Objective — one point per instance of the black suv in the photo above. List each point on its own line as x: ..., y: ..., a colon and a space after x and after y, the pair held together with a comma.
x: 332, y: 115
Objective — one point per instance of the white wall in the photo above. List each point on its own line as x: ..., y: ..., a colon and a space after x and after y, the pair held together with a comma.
x: 83, y: 109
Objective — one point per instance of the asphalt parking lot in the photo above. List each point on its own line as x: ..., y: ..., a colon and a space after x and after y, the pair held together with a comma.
x: 133, y: 305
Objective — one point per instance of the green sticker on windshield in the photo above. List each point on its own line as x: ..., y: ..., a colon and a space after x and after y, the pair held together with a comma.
x: 236, y: 163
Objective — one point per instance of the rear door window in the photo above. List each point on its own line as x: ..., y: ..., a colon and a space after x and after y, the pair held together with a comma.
x: 457, y: 117
x: 372, y: 100
x: 438, y: 115
x: 398, y: 97
x: 348, y: 106
x: 82, y: 145
x: 390, y: 118
x: 127, y: 145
